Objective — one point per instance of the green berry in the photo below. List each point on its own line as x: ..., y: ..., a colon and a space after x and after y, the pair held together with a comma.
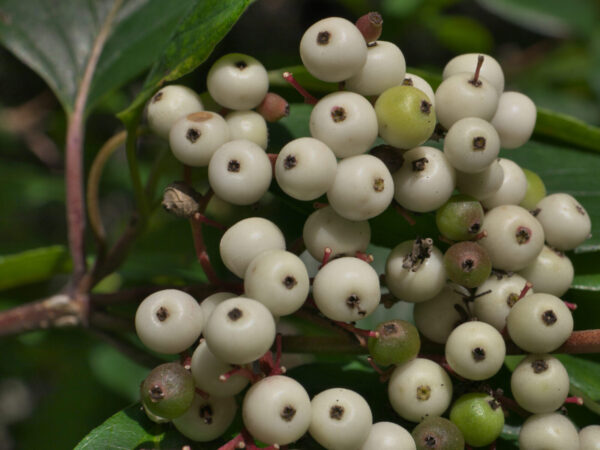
x: 460, y: 218
x: 536, y: 190
x: 405, y: 115
x: 467, y: 263
x: 479, y: 417
x: 437, y: 433
x: 398, y: 342
x: 168, y: 390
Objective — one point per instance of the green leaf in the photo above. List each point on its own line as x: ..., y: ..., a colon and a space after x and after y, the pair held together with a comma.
x: 461, y: 34
x: 128, y: 429
x: 202, y: 27
x: 549, y: 17
x: 567, y: 129
x: 55, y: 38
x: 33, y: 266
x: 584, y: 376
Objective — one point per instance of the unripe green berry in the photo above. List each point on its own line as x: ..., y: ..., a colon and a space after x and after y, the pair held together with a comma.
x: 536, y: 190
x: 398, y: 342
x: 168, y: 390
x: 437, y: 433
x: 460, y: 218
x: 479, y: 417
x: 467, y: 263
x: 405, y: 115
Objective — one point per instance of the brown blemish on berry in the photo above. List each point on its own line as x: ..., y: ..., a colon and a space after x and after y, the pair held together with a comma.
x: 241, y: 64
x: 233, y: 166
x: 157, y: 97
x: 336, y: 412
x: 206, y: 414
x: 200, y: 116
x: 539, y: 365
x: 323, y: 37
x: 338, y: 114
x: 289, y: 282
x: 408, y: 82
x: 479, y: 143
x: 389, y: 329
x: 418, y: 165
x: 235, y: 314
x: 523, y: 235
x: 475, y: 227
x: 535, y: 212
x: 289, y: 162
x: 423, y: 392
x: 353, y: 302
x: 378, y: 185
x: 580, y: 209
x: 287, y: 413
x: 425, y: 107
x: 511, y: 299
x: 549, y: 317
x: 478, y: 354
x: 192, y: 135
x: 421, y: 250
x: 494, y: 404
x: 156, y: 393
x: 162, y: 314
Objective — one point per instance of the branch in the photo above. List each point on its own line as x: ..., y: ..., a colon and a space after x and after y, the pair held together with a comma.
x: 57, y: 311
x: 74, y: 154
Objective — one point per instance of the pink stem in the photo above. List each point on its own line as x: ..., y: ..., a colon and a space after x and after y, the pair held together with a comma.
x: 308, y: 98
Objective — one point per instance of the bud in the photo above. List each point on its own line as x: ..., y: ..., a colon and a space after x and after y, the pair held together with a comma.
x: 273, y: 107
x: 181, y: 199
x: 370, y: 26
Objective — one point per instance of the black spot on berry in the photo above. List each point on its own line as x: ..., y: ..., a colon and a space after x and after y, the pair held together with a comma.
x: 323, y: 37
x: 549, y: 317
x: 289, y: 282
x: 539, y: 365
x: 206, y: 414
x: 336, y: 412
x: 479, y: 143
x: 241, y: 64
x: 378, y: 185
x: 478, y: 354
x: 425, y: 107
x: 289, y: 162
x: 157, y: 97
x: 287, y: 413
x: 235, y: 314
x: 192, y: 135
x: 418, y: 165
x: 338, y: 114
x: 156, y: 393
x: 233, y: 166
x: 523, y: 235
x: 162, y: 314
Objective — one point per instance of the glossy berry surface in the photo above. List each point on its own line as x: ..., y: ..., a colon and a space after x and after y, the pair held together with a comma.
x: 168, y: 390
x: 438, y: 433
x: 479, y: 417
x: 397, y: 343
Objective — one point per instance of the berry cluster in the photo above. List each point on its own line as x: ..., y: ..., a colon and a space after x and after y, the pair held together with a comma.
x: 504, y: 239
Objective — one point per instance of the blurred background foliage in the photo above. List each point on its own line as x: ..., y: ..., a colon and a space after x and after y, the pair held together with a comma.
x: 55, y: 386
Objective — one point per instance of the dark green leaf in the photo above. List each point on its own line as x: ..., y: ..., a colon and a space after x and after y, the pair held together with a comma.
x: 461, y: 34
x: 202, y: 27
x: 33, y: 266
x: 55, y: 39
x: 550, y: 17
x: 128, y: 429
x: 567, y: 129
x: 584, y: 376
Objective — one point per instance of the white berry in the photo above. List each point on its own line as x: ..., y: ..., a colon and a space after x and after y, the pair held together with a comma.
x: 277, y: 410
x: 240, y: 330
x: 410, y: 79
x: 482, y: 184
x: 420, y: 388
x: 475, y: 350
x: 206, y: 419
x: 325, y: 228
x: 240, y: 172
x: 207, y: 369
x: 169, y: 321
x: 551, y: 431
x: 248, y: 125
x: 566, y: 223
x: 237, y: 81
x: 388, y: 436
x: 412, y: 275
x: 341, y: 419
x: 539, y: 323
x: 514, y: 237
x: 385, y: 67
x: 551, y: 272
x: 490, y: 69
x: 514, y: 119
x: 540, y: 383
x: 333, y: 49
x: 425, y: 181
x: 436, y: 318
x: 589, y: 438
x: 209, y: 304
x: 346, y: 122
x: 363, y: 188
x: 513, y: 188
x: 305, y: 168
x: 471, y: 145
x: 346, y: 289
x: 194, y: 138
x: 279, y: 280
x: 245, y: 240
x: 168, y: 105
